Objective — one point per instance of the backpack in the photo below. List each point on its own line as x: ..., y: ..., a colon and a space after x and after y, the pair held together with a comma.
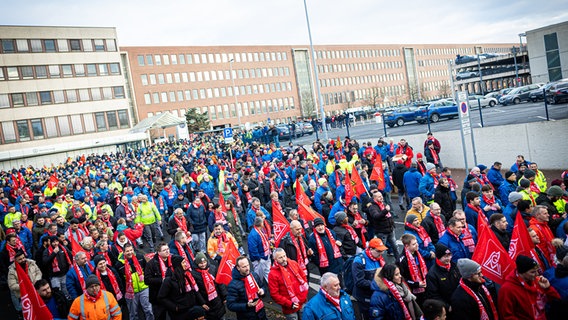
x: 348, y: 279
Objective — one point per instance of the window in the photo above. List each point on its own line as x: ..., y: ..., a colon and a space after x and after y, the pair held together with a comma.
x: 173, y: 58
x: 22, y: 45
x: 87, y: 45
x: 187, y: 94
x: 158, y: 59
x: 49, y: 45
x: 103, y: 69
x: 45, y: 97
x: 36, y: 45
x: 172, y: 96
x: 112, y: 120
x: 180, y: 96
x: 4, y: 101
x: 13, y: 73
x: 184, y: 77
x: 96, y: 94
x: 17, y: 99
x: 67, y: 70
x: 166, y: 59
x: 9, y: 132
x: 77, y: 124
x: 89, y: 122
x: 8, y: 46
x: 37, y: 128
x: 123, y: 118
x: 2, y: 74
x: 54, y: 71
x: 115, y: 68
x: 79, y: 70
x: 155, y: 97
x: 58, y: 96
x: 99, y: 45
x: 149, y: 60
x: 41, y: 72
x: 84, y: 94
x: 64, y: 128
x: 147, y: 99
x: 169, y: 78
x: 111, y: 45
x: 152, y: 78
x: 161, y: 78
x: 101, y: 122
x: 27, y: 72
x: 71, y: 95
x: 181, y: 58
x: 164, y: 96
x: 118, y: 92
x: 75, y: 44
x: 189, y: 58
x: 141, y: 60
x: 31, y: 99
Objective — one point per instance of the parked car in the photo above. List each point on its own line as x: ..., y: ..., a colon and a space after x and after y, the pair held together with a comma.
x: 538, y: 94
x: 283, y: 132
x: 557, y: 92
x: 303, y: 128
x: 400, y: 116
x: 466, y: 74
x: 483, y: 100
x: 519, y: 94
x: 437, y: 110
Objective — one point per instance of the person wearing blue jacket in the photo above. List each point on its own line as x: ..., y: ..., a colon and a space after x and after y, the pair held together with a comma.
x: 207, y: 186
x: 196, y: 215
x: 453, y: 239
x: 425, y: 246
x: 507, y: 186
x: 384, y: 301
x: 325, y: 246
x: 72, y: 281
x: 337, y: 207
x: 259, y: 245
x: 251, y: 213
x: 426, y: 185
x: 494, y: 175
x: 364, y: 268
x: 330, y: 303
x: 25, y: 236
x: 323, y: 188
x: 411, y: 181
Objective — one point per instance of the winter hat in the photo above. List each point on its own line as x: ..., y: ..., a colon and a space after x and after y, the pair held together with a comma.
x: 430, y: 166
x: 98, y: 258
x: 529, y: 173
x: 176, y: 261
x: 515, y: 196
x: 121, y: 227
x: 524, y: 183
x: 525, y: 264
x: 441, y: 250
x: 321, y: 181
x: 468, y: 267
x: 340, y: 216
x: 470, y: 178
x: 481, y: 167
x: 508, y: 174
x: 419, y: 155
x: 318, y: 221
x: 555, y: 191
x: 410, y: 218
x: 199, y: 257
x: 92, y: 280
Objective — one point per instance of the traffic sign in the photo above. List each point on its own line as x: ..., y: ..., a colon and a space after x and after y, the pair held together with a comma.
x: 228, y: 135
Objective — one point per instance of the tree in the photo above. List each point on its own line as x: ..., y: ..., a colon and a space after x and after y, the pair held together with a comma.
x: 196, y: 121
x: 413, y: 93
x: 444, y: 90
x: 374, y: 97
x: 308, y: 106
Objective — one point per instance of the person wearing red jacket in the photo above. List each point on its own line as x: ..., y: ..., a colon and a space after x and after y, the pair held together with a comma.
x: 288, y: 285
x: 406, y: 152
x: 525, y: 294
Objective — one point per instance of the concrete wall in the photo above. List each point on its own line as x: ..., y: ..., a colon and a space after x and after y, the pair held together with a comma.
x: 543, y: 142
x: 537, y: 53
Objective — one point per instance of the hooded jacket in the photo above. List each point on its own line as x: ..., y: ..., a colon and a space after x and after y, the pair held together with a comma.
x: 383, y: 303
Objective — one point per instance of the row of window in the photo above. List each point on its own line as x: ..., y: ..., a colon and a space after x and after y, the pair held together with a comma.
x: 433, y: 73
x: 362, y: 94
x: 57, y: 45
x: 178, y: 77
x: 209, y: 93
x: 366, y: 53
x: 59, y: 71
x: 433, y: 62
x: 443, y: 51
x: 247, y: 108
x: 332, y: 82
x: 54, y: 127
x: 349, y: 67
x: 181, y: 114
x: 35, y: 98
x: 197, y: 58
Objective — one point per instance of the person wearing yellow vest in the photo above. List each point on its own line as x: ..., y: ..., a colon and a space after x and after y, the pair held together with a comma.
x: 95, y: 303
x: 61, y: 206
x: 148, y: 214
x: 539, y: 177
x: 136, y: 291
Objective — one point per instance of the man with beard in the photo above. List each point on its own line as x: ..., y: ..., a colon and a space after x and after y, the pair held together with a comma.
x: 296, y: 246
x: 330, y: 300
x: 54, y: 299
x: 215, y: 294
x: 288, y: 285
x: 245, y: 292
x: 218, y: 242
x: 30, y: 267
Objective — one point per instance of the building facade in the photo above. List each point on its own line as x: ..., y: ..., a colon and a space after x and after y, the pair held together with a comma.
x: 548, y: 51
x: 62, y: 90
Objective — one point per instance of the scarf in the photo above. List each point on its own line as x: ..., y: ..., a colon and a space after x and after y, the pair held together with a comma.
x: 182, y: 224
x: 77, y: 235
x: 251, y: 288
x: 237, y: 199
x: 380, y: 259
x: 163, y: 267
x: 12, y: 250
x: 334, y: 301
x: 415, y: 274
x: 221, y: 240
x: 439, y: 225
x: 445, y: 266
x: 421, y: 233
x: 398, y: 298
x: 107, y: 258
x: 128, y: 275
x: 351, y: 232
x: 435, y: 156
x: 55, y: 263
x: 94, y: 298
x: 324, y: 261
x: 487, y: 200
x: 482, y: 312
x: 220, y: 217
x: 160, y: 203
x: 236, y: 217
x: 534, y: 188
x: 80, y: 275
x: 190, y: 283
x: 113, y: 282
x: 182, y: 251
x: 479, y: 211
x: 468, y: 238
x: 287, y: 273
x: 248, y: 196
x: 209, y: 284
x: 301, y: 253
x: 265, y: 243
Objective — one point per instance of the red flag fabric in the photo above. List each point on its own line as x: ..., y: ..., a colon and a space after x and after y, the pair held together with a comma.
x: 224, y: 274
x: 222, y: 202
x: 349, y: 193
x: 307, y: 213
x: 33, y: 306
x: 377, y: 174
x: 521, y: 242
x: 15, y: 181
x: 490, y: 254
x: 75, y: 247
x: 359, y: 186
x: 53, y: 181
x: 301, y: 195
x: 22, y: 181
x: 280, y: 225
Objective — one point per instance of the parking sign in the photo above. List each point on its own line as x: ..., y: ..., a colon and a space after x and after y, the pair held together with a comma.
x: 228, y: 135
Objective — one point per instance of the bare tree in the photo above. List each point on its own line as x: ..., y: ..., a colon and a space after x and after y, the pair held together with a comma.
x: 374, y: 97
x: 413, y: 92
x: 444, y: 90
x: 308, y: 105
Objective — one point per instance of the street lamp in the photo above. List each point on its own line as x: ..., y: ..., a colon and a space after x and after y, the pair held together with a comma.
x: 235, y: 92
x: 320, y: 99
x: 521, y: 46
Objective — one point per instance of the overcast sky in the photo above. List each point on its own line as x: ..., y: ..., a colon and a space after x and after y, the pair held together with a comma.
x: 250, y: 22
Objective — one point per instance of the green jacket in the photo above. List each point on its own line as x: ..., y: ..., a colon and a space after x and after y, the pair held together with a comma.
x: 147, y: 213
x: 137, y: 283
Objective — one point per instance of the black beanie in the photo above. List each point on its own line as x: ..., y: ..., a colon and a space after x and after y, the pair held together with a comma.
x: 525, y: 264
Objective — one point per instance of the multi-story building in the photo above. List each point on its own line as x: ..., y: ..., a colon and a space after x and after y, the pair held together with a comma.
x: 548, y: 51
x: 62, y: 91
x: 252, y: 84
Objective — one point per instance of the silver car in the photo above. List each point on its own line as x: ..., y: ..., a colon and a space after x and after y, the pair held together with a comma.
x: 483, y: 100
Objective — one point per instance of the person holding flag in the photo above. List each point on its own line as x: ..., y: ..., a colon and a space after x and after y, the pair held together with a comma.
x: 31, y: 270
x: 245, y: 292
x: 288, y: 285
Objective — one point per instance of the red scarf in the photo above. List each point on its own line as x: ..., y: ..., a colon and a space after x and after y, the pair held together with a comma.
x: 221, y: 241
x: 163, y: 267
x: 421, y: 233
x: 182, y: 252
x: 94, y: 298
x: 351, y: 232
x: 333, y: 300
x: 276, y: 204
x: 416, y: 275
x: 439, y: 225
x: 480, y: 212
x: 357, y: 217
x: 434, y: 155
x: 12, y: 250
x: 70, y: 233
x: 55, y: 263
x: 237, y: 199
x: 487, y: 200
x: 265, y: 242
x: 380, y: 258
x: 251, y: 288
x: 534, y: 188
x: 287, y: 273
x: 128, y: 275
x: 301, y: 253
x: 445, y: 266
x: 398, y: 298
x: 236, y: 217
x: 182, y: 224
x: 190, y: 283
x: 113, y: 282
x: 249, y: 196
x: 324, y: 261
x: 220, y: 217
x: 482, y: 312
x: 80, y: 275
x: 107, y: 258
x: 209, y: 284
x: 468, y: 238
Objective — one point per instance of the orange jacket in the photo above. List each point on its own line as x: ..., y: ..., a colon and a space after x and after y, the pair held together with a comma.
x: 105, y: 307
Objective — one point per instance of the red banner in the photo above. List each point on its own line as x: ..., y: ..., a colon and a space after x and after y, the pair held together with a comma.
x: 222, y: 203
x: 301, y: 195
x: 224, y: 274
x: 307, y: 213
x: 53, y: 181
x: 33, y: 306
x: 358, y: 185
x: 281, y: 226
x: 377, y: 174
x: 349, y: 193
x: 521, y: 242
x: 490, y: 254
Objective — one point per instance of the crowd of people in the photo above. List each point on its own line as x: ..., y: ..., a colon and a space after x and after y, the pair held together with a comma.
x: 148, y: 233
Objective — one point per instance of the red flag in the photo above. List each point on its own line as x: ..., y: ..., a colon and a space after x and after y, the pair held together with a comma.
x: 53, y: 181
x: 75, y: 247
x: 349, y: 193
x: 33, y: 306
x: 359, y: 186
x: 490, y: 254
x: 301, y: 195
x: 83, y: 159
x: 21, y: 180
x: 280, y: 225
x: 224, y: 274
x: 15, y: 182
x: 377, y: 174
x: 521, y: 242
x: 222, y: 202
x: 307, y: 213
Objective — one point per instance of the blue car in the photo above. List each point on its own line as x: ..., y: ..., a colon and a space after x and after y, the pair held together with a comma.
x: 400, y: 116
x: 441, y: 109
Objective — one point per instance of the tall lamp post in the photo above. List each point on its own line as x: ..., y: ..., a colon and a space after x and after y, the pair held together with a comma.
x: 235, y: 92
x: 316, y: 73
x: 521, y: 35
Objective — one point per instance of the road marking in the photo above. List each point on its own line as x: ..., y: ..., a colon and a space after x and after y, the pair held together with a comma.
x: 398, y: 222
x: 544, y: 118
x: 479, y: 124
